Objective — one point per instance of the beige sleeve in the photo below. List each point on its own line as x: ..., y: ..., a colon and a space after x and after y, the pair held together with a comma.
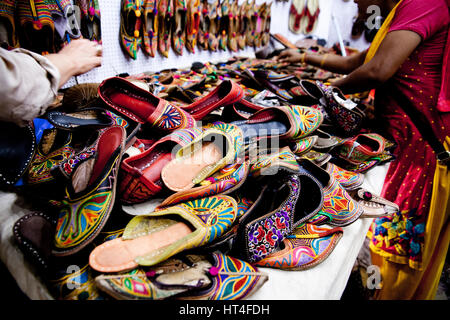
x: 29, y: 83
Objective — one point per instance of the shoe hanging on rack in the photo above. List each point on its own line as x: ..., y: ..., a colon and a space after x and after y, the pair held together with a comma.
x: 233, y: 26
x: 130, y: 28
x: 242, y: 27
x: 224, y: 24
x: 312, y: 12
x: 258, y: 23
x: 37, y: 28
x: 202, y: 39
x: 8, y: 24
x: 250, y: 12
x: 296, y: 14
x: 165, y: 20
x: 150, y: 27
x: 66, y: 25
x: 265, y: 34
x: 179, y: 26
x: 193, y: 24
x: 90, y: 19
x: 212, y: 23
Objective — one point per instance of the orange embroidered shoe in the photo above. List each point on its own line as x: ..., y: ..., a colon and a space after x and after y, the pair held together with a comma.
x: 192, y: 24
x: 212, y: 24
x: 130, y: 26
x: 150, y: 27
x: 179, y: 36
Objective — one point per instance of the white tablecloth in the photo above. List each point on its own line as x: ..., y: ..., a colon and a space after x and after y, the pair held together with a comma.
x: 325, y: 281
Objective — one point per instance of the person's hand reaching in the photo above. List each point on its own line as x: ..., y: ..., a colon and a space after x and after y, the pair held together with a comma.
x: 290, y: 55
x: 78, y: 57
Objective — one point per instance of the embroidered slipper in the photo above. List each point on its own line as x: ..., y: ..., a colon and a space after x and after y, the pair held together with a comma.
x: 308, y: 93
x: 347, y: 179
x: 152, y: 238
x: 231, y: 279
x: 233, y: 27
x: 90, y: 197
x: 7, y: 12
x: 242, y: 27
x: 224, y: 24
x: 165, y: 20
x: 203, y: 29
x: 226, y: 93
x: 150, y: 27
x: 296, y: 14
x: 250, y: 13
x: 90, y: 19
x: 140, y: 174
x: 143, y: 107
x: 282, y: 122
x: 269, y: 164
x: 37, y: 28
x: 181, y: 23
x: 306, y: 247
x: 258, y: 22
x: 224, y: 181
x: 318, y: 158
x: 130, y: 26
x: 171, y: 277
x: 338, y: 209
x: 212, y: 21
x: 192, y: 24
x: 303, y: 146
x: 219, y: 145
x: 374, y: 206
x: 265, y: 34
x: 362, y: 148
x: 288, y: 200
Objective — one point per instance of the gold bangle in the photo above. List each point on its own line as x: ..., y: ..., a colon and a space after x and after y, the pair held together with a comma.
x: 323, y: 60
x: 303, y: 58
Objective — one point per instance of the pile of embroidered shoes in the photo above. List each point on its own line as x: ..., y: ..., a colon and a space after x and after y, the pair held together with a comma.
x: 182, y: 184
x: 158, y: 25
x: 45, y: 26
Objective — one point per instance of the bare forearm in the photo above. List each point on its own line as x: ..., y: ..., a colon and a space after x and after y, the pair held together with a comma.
x: 360, y: 80
x: 330, y: 62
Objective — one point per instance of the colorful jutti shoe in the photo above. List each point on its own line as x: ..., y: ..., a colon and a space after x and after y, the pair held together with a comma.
x: 319, y: 158
x: 130, y: 26
x: 140, y: 174
x: 90, y: 197
x: 152, y: 238
x: 75, y: 284
x: 90, y: 19
x: 269, y: 164
x: 224, y: 23
x: 212, y: 23
x: 303, y: 146
x: 339, y: 209
x: 233, y: 26
x: 219, y: 145
x: 306, y: 247
x: 169, y: 278
x: 142, y: 106
x: 265, y: 33
x: 224, y: 181
x: 374, y: 206
x: 250, y: 18
x: 258, y: 23
x: 192, y: 24
x: 362, y: 147
x: 203, y: 30
x: 150, y: 27
x: 7, y: 11
x: 347, y: 179
x: 232, y: 279
x: 242, y: 27
x: 180, y: 25
x: 36, y: 25
x: 165, y: 21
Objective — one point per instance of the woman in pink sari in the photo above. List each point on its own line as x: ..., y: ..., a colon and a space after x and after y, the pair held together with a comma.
x: 410, y: 61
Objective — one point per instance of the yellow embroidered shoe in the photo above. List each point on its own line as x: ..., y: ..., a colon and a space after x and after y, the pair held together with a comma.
x: 152, y: 238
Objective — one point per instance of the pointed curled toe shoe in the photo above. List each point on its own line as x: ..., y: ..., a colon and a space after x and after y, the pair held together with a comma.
x: 130, y: 26
x: 348, y: 180
x: 231, y: 279
x: 90, y: 195
x: 306, y: 247
x: 302, y: 146
x: 150, y: 27
x: 143, y: 107
x: 152, y: 238
x: 339, y: 209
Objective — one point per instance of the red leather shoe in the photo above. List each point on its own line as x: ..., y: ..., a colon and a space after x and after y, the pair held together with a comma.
x: 142, y: 106
x: 226, y: 93
x: 140, y: 174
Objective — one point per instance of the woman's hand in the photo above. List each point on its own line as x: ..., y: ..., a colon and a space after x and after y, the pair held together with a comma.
x: 290, y: 55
